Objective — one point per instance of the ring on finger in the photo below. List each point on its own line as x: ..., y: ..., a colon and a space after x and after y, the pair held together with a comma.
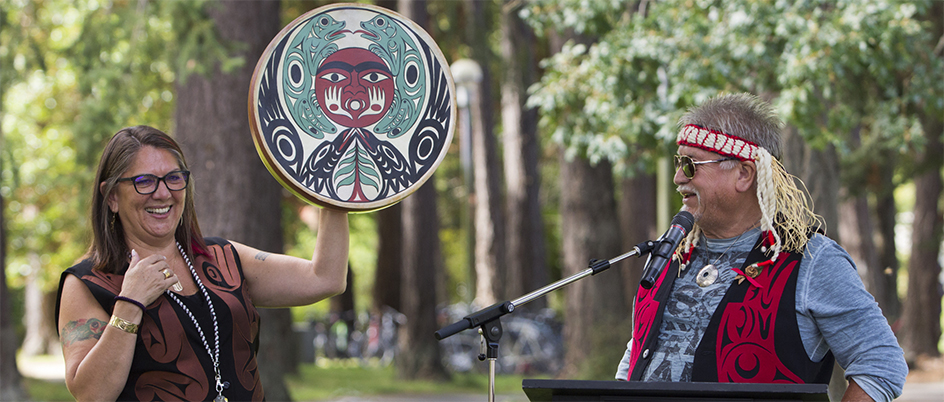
x: 167, y: 273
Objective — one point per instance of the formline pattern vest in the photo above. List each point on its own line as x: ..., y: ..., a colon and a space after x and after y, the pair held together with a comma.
x: 170, y: 360
x: 753, y: 335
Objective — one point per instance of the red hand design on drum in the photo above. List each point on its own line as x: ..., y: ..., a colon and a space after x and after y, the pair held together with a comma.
x: 355, y: 87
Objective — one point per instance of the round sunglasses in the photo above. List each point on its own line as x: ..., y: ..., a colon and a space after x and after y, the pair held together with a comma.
x: 689, y: 166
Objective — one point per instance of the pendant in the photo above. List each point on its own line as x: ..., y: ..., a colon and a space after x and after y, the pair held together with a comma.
x: 707, y: 275
x: 220, y: 398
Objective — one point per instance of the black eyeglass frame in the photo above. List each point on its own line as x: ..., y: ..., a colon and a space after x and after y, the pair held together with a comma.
x: 692, y: 165
x: 157, y: 183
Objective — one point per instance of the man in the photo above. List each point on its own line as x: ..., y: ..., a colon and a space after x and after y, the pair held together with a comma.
x: 755, y: 293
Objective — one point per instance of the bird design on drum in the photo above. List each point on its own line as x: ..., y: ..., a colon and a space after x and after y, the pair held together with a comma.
x: 315, y: 43
x: 406, y: 64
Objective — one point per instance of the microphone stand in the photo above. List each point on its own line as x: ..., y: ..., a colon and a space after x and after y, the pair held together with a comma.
x: 488, y: 320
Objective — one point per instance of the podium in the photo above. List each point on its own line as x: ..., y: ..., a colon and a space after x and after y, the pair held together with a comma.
x: 578, y: 390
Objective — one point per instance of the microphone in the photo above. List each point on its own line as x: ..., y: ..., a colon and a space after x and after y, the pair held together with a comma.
x: 682, y: 223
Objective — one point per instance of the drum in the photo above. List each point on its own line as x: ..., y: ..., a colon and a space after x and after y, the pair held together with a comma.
x: 352, y: 106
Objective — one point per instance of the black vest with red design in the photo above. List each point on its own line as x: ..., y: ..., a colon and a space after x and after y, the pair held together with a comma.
x: 753, y: 335
x: 171, y: 362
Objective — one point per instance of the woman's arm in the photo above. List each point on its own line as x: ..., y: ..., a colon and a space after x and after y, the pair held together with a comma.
x: 98, y: 355
x: 277, y: 280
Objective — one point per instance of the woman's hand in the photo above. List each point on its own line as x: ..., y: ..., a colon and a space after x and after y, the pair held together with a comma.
x: 147, y: 278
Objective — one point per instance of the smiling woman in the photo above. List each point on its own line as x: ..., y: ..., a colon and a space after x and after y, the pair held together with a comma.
x: 172, y: 314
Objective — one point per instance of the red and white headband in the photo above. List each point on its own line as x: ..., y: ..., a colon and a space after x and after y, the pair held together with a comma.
x: 728, y: 145
x: 716, y: 141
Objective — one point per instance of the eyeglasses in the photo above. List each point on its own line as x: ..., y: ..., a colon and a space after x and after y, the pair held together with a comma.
x: 688, y: 165
x: 146, y: 184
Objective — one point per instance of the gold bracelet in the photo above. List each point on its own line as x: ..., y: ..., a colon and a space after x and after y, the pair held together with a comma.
x: 123, y: 325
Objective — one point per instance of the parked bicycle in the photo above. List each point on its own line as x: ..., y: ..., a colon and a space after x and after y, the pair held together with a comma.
x: 532, y: 342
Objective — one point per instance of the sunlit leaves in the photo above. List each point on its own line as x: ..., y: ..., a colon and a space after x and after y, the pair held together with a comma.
x: 72, y: 74
x: 830, y: 67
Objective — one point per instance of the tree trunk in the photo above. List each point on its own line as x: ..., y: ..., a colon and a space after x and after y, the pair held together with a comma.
x: 489, y: 218
x: 526, y: 265
x: 387, y: 276
x: 38, y: 313
x: 856, y: 230
x: 885, y: 213
x: 343, y: 306
x: 419, y: 356
x: 819, y: 170
x: 11, y: 382
x: 921, y: 318
x: 596, y: 305
x: 637, y: 216
x: 236, y: 197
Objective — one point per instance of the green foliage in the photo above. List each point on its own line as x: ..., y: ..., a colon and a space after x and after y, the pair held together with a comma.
x: 830, y: 67
x: 72, y: 74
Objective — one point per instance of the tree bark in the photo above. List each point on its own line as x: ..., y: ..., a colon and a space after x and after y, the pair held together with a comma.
x: 388, y: 273
x: 489, y: 217
x: 11, y: 382
x: 595, y: 306
x: 885, y: 213
x: 819, y: 170
x: 419, y: 356
x: 856, y: 230
x: 236, y: 197
x: 38, y: 313
x: 526, y: 265
x: 921, y: 318
x: 637, y: 216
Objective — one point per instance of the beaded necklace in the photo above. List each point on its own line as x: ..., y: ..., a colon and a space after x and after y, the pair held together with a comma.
x: 215, y: 353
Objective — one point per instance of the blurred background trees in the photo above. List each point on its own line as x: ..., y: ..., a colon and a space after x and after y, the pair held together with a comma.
x: 569, y: 127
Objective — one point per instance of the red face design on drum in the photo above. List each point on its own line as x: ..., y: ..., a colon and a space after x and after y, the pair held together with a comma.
x: 354, y: 87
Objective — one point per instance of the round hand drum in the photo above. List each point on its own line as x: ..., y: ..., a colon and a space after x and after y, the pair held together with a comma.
x: 352, y: 107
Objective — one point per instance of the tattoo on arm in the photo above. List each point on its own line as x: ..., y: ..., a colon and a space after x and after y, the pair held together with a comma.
x: 262, y: 256
x: 80, y: 330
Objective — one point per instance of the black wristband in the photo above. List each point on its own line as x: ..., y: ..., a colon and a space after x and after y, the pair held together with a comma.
x: 132, y: 301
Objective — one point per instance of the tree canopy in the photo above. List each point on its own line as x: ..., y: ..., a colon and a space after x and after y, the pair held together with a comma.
x: 828, y: 66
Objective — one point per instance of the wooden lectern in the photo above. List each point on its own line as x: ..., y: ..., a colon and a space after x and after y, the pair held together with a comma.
x: 576, y: 390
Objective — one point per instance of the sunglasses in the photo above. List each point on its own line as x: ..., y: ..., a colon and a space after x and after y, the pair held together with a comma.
x: 689, y: 166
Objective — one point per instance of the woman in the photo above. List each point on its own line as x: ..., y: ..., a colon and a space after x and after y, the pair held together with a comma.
x: 157, y: 312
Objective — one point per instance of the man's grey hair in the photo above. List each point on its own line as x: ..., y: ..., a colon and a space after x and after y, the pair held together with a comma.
x: 742, y: 115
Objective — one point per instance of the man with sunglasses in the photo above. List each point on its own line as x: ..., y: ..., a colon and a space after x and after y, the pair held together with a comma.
x: 756, y: 293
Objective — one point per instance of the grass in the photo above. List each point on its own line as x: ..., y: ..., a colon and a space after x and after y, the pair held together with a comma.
x: 336, y: 379
x: 45, y: 390
x: 339, y: 378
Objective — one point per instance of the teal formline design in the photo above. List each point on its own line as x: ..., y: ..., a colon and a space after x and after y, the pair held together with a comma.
x: 352, y: 166
x: 302, y: 57
x: 392, y: 43
x: 395, y: 47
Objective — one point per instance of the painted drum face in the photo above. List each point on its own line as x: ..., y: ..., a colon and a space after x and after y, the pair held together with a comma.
x: 355, y: 86
x: 352, y: 107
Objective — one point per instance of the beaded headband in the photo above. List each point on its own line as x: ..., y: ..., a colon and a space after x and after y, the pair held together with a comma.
x: 716, y: 141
